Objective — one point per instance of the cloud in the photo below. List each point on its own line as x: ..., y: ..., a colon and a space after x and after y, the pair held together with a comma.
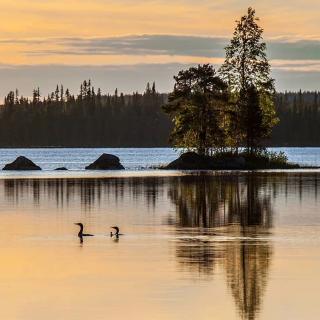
x: 171, y: 45
x: 294, y: 50
x: 135, y: 45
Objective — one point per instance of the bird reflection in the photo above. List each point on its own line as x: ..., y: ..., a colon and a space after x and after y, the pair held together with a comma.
x: 237, y: 209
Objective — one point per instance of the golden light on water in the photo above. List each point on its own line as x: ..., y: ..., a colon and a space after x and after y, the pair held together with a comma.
x: 167, y: 265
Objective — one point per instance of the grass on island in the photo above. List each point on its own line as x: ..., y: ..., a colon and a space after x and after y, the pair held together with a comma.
x: 262, y: 159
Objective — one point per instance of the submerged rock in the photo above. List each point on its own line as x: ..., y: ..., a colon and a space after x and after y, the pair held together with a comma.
x: 106, y: 162
x: 21, y: 163
x: 61, y: 169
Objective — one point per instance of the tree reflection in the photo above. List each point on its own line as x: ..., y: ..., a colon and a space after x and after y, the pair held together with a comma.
x: 247, y: 265
x: 237, y: 208
x: 89, y: 192
x: 208, y: 202
x: 197, y: 255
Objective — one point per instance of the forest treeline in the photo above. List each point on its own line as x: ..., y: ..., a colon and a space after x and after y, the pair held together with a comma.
x: 299, y: 115
x: 88, y: 119
x: 93, y: 119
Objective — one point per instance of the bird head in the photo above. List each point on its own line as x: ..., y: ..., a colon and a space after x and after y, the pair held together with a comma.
x: 79, y: 224
x: 115, y: 228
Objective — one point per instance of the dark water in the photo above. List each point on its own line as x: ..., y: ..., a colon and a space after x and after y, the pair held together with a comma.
x: 223, y: 246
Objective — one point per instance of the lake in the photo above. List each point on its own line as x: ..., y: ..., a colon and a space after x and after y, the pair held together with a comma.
x: 195, y: 246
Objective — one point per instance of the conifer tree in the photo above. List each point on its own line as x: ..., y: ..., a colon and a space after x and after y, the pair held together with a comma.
x: 246, y: 69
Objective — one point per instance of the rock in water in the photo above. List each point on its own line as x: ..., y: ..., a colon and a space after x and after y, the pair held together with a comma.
x: 106, y: 162
x: 21, y: 163
x: 194, y: 161
x: 191, y: 161
x: 61, y: 169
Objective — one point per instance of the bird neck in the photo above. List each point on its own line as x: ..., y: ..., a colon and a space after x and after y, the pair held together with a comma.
x: 81, y: 231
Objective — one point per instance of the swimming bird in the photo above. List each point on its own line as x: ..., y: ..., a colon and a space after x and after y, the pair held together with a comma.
x: 117, y: 234
x: 81, y: 234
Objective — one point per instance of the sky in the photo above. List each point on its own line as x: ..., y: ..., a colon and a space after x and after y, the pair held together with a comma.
x: 124, y: 43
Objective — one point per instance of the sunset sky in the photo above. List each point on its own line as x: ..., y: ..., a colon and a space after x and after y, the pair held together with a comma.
x: 125, y: 43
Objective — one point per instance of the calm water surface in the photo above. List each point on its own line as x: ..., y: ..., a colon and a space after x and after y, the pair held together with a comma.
x: 223, y: 246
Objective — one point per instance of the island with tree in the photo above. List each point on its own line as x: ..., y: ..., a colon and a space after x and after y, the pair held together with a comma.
x: 223, y: 118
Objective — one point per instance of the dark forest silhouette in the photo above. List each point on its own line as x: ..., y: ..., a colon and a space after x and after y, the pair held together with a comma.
x: 92, y: 119
x: 299, y: 114
x: 88, y: 119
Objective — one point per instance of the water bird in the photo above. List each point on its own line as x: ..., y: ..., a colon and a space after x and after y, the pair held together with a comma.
x: 117, y: 234
x: 81, y: 234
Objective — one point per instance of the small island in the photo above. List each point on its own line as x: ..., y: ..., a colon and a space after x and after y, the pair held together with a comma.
x: 224, y: 118
x: 241, y: 161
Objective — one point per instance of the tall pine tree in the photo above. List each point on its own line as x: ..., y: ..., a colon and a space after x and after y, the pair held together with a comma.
x: 247, y: 71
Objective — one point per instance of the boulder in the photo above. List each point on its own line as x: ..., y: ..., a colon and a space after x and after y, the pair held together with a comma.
x: 61, y: 169
x: 230, y: 163
x: 21, y: 163
x: 194, y: 161
x: 106, y: 162
x: 191, y: 161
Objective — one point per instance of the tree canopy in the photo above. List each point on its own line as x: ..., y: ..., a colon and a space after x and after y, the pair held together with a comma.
x: 246, y: 62
x: 233, y: 108
x: 247, y: 72
x: 196, y: 107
